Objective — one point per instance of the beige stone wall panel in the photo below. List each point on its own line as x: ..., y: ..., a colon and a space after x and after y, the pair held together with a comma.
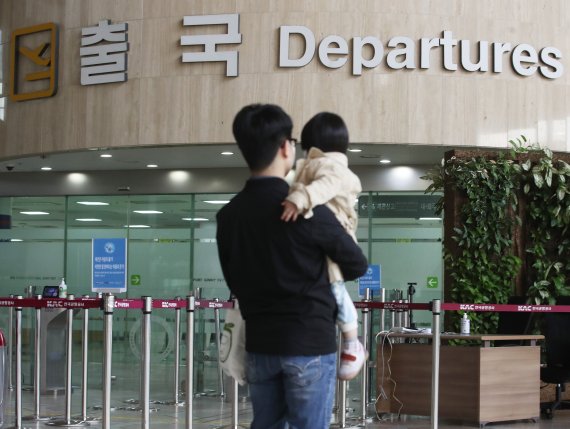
x: 166, y: 101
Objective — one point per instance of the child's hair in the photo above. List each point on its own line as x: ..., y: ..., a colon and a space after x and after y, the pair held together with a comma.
x: 326, y: 131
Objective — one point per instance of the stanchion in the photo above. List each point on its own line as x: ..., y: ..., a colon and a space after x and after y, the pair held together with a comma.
x: 144, y: 391
x: 189, y: 361
x: 406, y: 316
x: 108, y: 307
x: 18, y: 411
x: 84, y: 367
x: 10, y: 342
x: 37, y: 367
x: 336, y: 404
x: 436, y: 310
x: 145, y: 349
x: 366, y: 344
x: 177, y: 402
x: 235, y: 411
x: 217, y: 330
x: 67, y: 420
x: 372, y: 364
x: 341, y: 408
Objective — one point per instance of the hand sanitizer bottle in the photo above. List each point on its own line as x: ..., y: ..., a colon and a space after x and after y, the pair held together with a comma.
x: 465, y: 325
x: 62, y: 289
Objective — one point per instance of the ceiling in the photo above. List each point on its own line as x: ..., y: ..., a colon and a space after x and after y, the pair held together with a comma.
x: 177, y: 211
x: 204, y: 156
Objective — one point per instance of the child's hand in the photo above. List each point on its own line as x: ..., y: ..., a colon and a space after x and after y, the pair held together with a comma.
x: 290, y: 211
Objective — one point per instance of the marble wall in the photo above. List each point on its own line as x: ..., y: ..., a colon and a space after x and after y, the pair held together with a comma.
x: 166, y: 101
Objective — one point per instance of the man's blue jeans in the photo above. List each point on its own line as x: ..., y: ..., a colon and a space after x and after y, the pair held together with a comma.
x: 291, y: 392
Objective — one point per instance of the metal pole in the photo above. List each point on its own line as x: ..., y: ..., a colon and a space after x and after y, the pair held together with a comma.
x: 85, y: 360
x: 67, y: 421
x: 336, y: 407
x: 218, y: 346
x: 189, y: 360
x: 18, y: 365
x: 382, y: 311
x: 411, y: 292
x: 342, y: 406
x: 37, y: 367
x: 10, y: 341
x: 145, y: 348
x: 108, y: 307
x: 371, y: 341
x: 365, y: 329
x: 84, y: 357
x: 235, y: 411
x: 68, y: 387
x: 37, y: 363
x: 436, y: 310
x: 406, y: 315
x: 177, y: 356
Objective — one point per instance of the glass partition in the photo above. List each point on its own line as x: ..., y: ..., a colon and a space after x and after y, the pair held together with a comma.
x: 172, y: 251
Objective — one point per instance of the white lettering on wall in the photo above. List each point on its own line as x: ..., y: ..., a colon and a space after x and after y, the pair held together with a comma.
x: 553, y: 69
x: 524, y: 54
x: 104, y: 62
x: 498, y: 50
x: 480, y: 56
x: 326, y: 48
x: 210, y: 42
x: 483, y: 54
x: 284, y: 37
x: 407, y: 53
x: 358, y: 59
x: 448, y: 43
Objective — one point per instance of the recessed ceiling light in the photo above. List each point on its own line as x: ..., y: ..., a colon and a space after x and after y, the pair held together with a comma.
x: 34, y: 213
x: 355, y: 150
x: 227, y: 153
x: 385, y: 161
x: 195, y: 219
x: 106, y: 155
x: 88, y: 220
x: 92, y: 203
x: 46, y: 168
x: 147, y: 211
x: 136, y: 226
x: 217, y: 201
x: 152, y: 165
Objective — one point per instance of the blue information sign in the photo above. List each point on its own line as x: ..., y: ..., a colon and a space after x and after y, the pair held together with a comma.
x: 109, y: 265
x: 370, y: 280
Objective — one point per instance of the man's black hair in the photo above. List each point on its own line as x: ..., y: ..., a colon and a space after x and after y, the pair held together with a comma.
x: 326, y: 131
x: 259, y: 130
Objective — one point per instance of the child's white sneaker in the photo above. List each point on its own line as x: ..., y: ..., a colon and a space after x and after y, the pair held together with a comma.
x: 352, y: 358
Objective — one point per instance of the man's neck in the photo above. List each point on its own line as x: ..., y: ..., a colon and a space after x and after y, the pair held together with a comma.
x: 271, y: 171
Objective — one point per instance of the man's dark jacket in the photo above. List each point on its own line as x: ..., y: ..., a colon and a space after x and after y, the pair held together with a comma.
x: 278, y: 270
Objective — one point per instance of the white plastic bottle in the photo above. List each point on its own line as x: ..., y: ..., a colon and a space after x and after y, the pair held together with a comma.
x: 465, y: 325
x: 62, y: 289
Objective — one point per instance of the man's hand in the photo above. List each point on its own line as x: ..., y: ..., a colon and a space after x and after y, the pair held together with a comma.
x: 290, y: 211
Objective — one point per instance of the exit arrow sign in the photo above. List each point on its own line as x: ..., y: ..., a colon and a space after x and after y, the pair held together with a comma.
x: 432, y: 282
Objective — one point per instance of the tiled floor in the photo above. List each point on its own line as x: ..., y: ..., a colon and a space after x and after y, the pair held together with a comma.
x: 212, y: 412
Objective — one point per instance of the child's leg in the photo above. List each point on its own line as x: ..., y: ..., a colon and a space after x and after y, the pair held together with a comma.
x: 347, y: 318
x: 353, y: 354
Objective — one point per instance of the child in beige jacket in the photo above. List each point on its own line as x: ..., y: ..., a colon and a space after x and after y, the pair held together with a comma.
x: 323, y: 177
